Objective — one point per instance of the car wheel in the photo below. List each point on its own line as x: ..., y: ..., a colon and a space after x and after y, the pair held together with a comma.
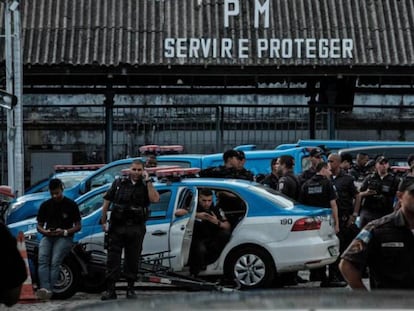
x: 251, y: 267
x: 69, y: 279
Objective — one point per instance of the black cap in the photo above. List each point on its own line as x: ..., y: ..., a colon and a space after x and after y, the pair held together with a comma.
x: 316, y: 152
x: 381, y: 159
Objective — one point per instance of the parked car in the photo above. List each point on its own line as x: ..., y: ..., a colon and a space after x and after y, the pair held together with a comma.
x: 69, y: 179
x: 258, y: 161
x: 272, y: 235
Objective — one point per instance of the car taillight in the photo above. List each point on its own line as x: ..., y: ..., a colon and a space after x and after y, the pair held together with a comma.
x: 308, y: 223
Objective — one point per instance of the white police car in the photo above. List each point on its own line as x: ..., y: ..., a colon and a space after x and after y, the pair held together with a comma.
x: 271, y: 234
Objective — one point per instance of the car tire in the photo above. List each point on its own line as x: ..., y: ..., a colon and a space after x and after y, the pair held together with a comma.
x: 250, y: 267
x: 69, y: 279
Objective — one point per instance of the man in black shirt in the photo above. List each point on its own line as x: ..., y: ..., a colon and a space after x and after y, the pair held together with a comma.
x: 58, y: 220
x: 377, y: 193
x: 315, y: 157
x: 211, y: 233
x: 272, y: 180
x: 289, y: 184
x: 386, y: 247
x: 319, y: 191
x: 130, y: 197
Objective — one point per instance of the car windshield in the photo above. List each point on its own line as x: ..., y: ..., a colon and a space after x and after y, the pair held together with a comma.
x: 72, y: 179
x: 274, y: 196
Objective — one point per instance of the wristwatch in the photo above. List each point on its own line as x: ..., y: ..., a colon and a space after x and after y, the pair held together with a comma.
x: 65, y: 232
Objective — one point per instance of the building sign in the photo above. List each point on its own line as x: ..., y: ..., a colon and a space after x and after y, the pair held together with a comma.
x: 242, y: 48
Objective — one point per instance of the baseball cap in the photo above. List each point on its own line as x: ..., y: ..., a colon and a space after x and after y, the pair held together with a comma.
x: 381, y: 159
x: 316, y: 152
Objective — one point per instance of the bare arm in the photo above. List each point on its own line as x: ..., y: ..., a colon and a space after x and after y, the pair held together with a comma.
x: 351, y: 274
x: 153, y: 194
x: 104, y: 217
x: 334, y: 208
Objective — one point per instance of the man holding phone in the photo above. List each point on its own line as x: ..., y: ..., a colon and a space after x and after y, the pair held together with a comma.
x: 130, y: 197
x: 58, y: 220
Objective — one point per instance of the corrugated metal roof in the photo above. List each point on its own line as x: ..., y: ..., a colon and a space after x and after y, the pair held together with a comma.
x: 113, y: 32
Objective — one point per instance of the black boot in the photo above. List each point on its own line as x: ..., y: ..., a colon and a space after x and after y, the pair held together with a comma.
x: 130, y: 294
x: 110, y: 293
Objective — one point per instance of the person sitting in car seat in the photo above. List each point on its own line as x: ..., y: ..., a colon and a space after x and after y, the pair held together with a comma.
x: 211, y: 232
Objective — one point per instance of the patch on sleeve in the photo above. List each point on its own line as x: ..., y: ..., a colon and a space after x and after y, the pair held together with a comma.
x: 364, y: 236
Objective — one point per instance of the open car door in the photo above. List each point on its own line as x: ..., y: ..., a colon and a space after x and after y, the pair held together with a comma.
x: 181, y: 230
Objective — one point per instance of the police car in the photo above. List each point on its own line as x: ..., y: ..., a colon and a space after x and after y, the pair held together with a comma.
x: 257, y: 161
x: 271, y: 234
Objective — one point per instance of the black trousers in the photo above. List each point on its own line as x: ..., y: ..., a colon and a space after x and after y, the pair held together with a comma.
x: 205, y: 251
x: 128, y: 238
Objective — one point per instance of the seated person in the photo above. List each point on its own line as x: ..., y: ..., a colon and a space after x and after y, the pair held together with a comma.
x: 210, y: 235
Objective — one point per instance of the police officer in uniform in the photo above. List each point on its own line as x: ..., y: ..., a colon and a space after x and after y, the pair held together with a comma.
x: 130, y: 197
x: 386, y: 247
x: 232, y: 168
x: 346, y: 193
x: 289, y: 184
x: 272, y: 180
x: 315, y: 157
x: 377, y: 193
x: 319, y: 191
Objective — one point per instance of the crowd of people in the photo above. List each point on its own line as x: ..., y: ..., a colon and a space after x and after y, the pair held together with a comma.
x: 382, y: 244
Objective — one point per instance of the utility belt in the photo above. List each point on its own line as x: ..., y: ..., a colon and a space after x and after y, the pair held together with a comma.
x: 125, y: 214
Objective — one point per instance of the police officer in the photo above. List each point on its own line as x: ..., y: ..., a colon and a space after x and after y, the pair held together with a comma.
x: 377, y: 193
x: 272, y: 180
x: 315, y: 157
x: 319, y: 191
x: 130, y: 197
x: 289, y: 184
x: 233, y: 167
x: 346, y: 193
x: 386, y: 247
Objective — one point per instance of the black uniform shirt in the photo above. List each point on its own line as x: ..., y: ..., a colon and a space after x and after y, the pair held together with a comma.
x: 386, y: 189
x: 317, y: 191
x: 345, y: 191
x: 289, y: 185
x: 123, y: 191
x: 272, y: 181
x: 204, y: 229
x: 386, y: 246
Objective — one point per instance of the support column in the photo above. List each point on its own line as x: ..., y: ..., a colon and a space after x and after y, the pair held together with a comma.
x: 109, y: 119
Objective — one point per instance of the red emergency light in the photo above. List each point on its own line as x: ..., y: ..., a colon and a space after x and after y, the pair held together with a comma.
x: 157, y: 149
x: 177, y: 172
x: 81, y: 167
x: 6, y: 191
x: 153, y: 170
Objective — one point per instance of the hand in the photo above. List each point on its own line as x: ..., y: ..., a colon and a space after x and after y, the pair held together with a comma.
x: 336, y: 228
x: 145, y: 175
x: 105, y: 227
x: 351, y: 221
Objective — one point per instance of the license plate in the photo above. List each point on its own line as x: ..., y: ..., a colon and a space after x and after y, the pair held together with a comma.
x: 334, y: 251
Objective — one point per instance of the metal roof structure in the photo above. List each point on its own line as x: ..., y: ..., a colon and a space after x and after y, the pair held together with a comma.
x: 162, y: 37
